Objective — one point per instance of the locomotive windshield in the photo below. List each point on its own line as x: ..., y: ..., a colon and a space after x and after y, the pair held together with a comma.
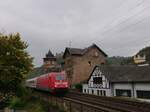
x: 60, y: 77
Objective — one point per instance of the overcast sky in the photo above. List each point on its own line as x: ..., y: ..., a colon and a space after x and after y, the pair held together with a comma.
x: 119, y: 27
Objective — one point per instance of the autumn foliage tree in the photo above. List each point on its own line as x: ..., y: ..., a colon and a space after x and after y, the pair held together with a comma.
x: 15, y: 63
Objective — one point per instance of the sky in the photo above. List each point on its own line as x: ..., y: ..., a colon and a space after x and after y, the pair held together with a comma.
x: 118, y: 27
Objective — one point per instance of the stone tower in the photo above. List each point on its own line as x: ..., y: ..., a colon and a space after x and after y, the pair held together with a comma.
x: 49, y: 60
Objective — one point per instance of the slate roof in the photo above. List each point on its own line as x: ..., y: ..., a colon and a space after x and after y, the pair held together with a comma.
x: 49, y: 54
x: 77, y: 51
x: 126, y: 73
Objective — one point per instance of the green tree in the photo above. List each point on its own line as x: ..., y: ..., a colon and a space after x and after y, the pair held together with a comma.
x: 15, y: 63
x: 145, y: 51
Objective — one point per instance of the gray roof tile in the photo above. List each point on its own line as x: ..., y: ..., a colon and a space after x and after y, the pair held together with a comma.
x: 126, y: 73
x: 77, y: 51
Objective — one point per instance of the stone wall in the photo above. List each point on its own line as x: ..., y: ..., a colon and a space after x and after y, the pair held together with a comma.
x: 69, y: 105
x: 83, y: 65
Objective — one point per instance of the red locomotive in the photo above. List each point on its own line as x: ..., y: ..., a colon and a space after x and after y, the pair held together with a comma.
x: 52, y: 82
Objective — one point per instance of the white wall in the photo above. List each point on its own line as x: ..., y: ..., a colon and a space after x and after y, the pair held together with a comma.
x: 89, y: 90
x: 123, y: 86
x: 131, y: 86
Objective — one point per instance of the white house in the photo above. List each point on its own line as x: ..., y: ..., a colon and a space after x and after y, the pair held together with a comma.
x: 129, y: 81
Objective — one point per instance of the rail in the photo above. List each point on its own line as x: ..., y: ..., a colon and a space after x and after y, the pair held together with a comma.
x: 79, y: 102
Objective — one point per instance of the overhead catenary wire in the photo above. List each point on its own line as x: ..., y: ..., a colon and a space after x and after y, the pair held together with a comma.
x: 107, y: 31
x: 132, y: 25
x: 105, y: 27
x: 139, y: 4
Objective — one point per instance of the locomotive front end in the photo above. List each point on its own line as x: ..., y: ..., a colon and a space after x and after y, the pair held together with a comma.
x: 61, y: 84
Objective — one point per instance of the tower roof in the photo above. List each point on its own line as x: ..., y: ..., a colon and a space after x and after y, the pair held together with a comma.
x: 49, y: 54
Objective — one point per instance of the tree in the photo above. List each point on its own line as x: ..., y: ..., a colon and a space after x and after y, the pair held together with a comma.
x: 145, y: 51
x: 118, y: 60
x: 15, y: 63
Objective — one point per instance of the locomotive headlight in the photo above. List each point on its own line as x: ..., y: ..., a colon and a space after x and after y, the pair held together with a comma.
x: 55, y: 85
x: 66, y: 85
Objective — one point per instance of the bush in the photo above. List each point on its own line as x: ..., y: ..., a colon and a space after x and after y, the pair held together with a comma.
x: 78, y: 86
x: 16, y: 102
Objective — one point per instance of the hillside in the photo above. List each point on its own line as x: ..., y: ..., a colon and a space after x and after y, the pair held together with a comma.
x: 145, y: 51
x: 40, y: 71
x: 118, y: 60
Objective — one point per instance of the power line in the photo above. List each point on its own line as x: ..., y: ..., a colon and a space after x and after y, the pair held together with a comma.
x: 127, y: 18
x: 134, y: 24
x: 105, y: 27
x: 130, y: 16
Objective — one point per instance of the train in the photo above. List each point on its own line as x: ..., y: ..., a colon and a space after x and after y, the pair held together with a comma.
x: 52, y: 82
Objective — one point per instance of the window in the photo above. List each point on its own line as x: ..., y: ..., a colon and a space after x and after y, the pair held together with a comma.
x: 101, y: 92
x: 143, y: 94
x: 121, y: 92
x: 98, y: 92
x: 102, y: 63
x: 104, y: 93
x: 84, y: 90
x: 97, y: 80
x: 92, y: 91
x: 53, y: 62
x: 96, y: 54
x: 69, y: 74
x: 60, y: 77
x: 89, y: 62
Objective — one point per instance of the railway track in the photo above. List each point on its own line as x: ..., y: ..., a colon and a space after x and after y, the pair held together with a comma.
x: 98, y: 103
x: 115, y: 104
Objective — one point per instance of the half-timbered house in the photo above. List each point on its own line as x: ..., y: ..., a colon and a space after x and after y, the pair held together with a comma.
x: 129, y: 81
